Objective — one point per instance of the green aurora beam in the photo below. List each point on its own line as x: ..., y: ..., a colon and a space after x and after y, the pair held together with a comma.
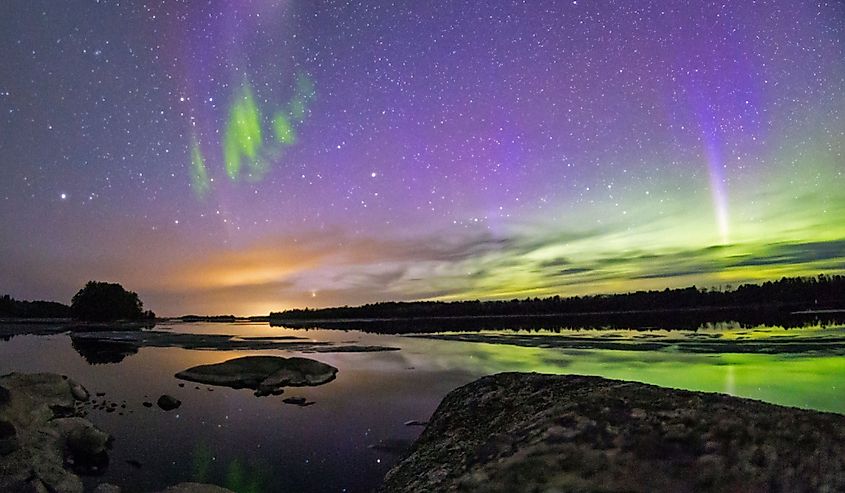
x: 242, y: 140
x: 199, y: 174
x: 246, y: 152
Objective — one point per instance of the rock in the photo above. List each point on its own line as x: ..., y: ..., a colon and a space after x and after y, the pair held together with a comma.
x: 4, y: 395
x: 531, y: 432
x: 106, y: 488
x: 147, y: 404
x: 298, y: 401
x: 196, y: 488
x: 49, y: 434
x: 78, y: 391
x: 82, y: 438
x: 414, y: 422
x: 393, y: 446
x: 264, y: 374
x: 168, y: 402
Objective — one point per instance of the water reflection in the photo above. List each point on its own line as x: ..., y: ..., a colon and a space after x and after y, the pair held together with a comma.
x: 231, y: 438
x: 98, y: 352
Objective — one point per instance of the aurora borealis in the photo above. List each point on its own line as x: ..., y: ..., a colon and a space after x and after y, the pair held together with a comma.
x: 247, y: 156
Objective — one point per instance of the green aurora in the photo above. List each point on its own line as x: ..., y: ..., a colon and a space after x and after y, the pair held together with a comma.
x: 246, y: 151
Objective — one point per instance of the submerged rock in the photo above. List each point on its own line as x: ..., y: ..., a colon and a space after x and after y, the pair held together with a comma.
x: 393, y: 446
x: 531, y: 432
x: 106, y: 488
x: 41, y: 417
x: 112, y: 346
x: 298, y: 401
x: 264, y: 374
x: 168, y: 402
x: 196, y: 488
x: 179, y: 488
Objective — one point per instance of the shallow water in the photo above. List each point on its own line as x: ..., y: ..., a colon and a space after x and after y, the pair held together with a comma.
x: 232, y: 438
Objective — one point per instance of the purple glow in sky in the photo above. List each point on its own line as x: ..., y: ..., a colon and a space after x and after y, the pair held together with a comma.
x: 445, y: 150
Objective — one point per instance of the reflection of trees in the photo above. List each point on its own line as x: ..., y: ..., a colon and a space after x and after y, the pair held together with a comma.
x: 646, y: 320
x: 100, y: 352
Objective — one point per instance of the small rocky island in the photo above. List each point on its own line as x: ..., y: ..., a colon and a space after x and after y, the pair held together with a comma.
x: 267, y: 375
x: 548, y: 433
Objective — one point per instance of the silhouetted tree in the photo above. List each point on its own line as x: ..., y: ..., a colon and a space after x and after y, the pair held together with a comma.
x: 102, y: 301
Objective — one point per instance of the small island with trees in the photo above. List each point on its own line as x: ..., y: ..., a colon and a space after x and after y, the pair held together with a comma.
x: 95, y: 302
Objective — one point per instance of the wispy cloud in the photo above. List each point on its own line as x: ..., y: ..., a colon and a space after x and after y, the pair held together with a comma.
x: 336, y: 269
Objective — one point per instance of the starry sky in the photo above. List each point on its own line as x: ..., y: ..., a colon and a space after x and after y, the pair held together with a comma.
x: 242, y: 156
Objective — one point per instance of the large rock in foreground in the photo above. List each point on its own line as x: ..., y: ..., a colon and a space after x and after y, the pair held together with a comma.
x: 545, y: 433
x: 264, y: 374
x: 41, y: 433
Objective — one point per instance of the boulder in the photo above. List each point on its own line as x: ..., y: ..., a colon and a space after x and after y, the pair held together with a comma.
x: 43, y: 434
x: 264, y: 374
x: 168, y: 402
x: 78, y: 391
x: 82, y: 439
x: 531, y: 432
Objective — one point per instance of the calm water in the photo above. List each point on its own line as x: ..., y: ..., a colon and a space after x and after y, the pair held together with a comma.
x: 231, y: 438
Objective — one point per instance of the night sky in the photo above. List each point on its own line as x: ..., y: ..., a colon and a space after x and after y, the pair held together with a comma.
x: 238, y: 156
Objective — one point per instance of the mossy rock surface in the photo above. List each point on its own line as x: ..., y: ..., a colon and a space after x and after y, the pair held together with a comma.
x: 532, y: 432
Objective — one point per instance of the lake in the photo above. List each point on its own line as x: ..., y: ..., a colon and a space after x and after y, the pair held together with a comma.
x: 351, y: 436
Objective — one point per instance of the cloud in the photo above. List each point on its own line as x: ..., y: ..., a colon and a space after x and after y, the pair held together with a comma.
x: 796, y: 253
x: 334, y: 267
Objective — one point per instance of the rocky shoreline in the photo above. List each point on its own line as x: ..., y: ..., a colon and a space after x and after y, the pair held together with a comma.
x: 45, y: 441
x: 550, y: 433
x: 502, y: 433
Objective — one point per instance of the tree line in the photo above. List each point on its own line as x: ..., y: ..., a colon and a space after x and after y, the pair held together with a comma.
x: 12, y: 308
x: 788, y: 293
